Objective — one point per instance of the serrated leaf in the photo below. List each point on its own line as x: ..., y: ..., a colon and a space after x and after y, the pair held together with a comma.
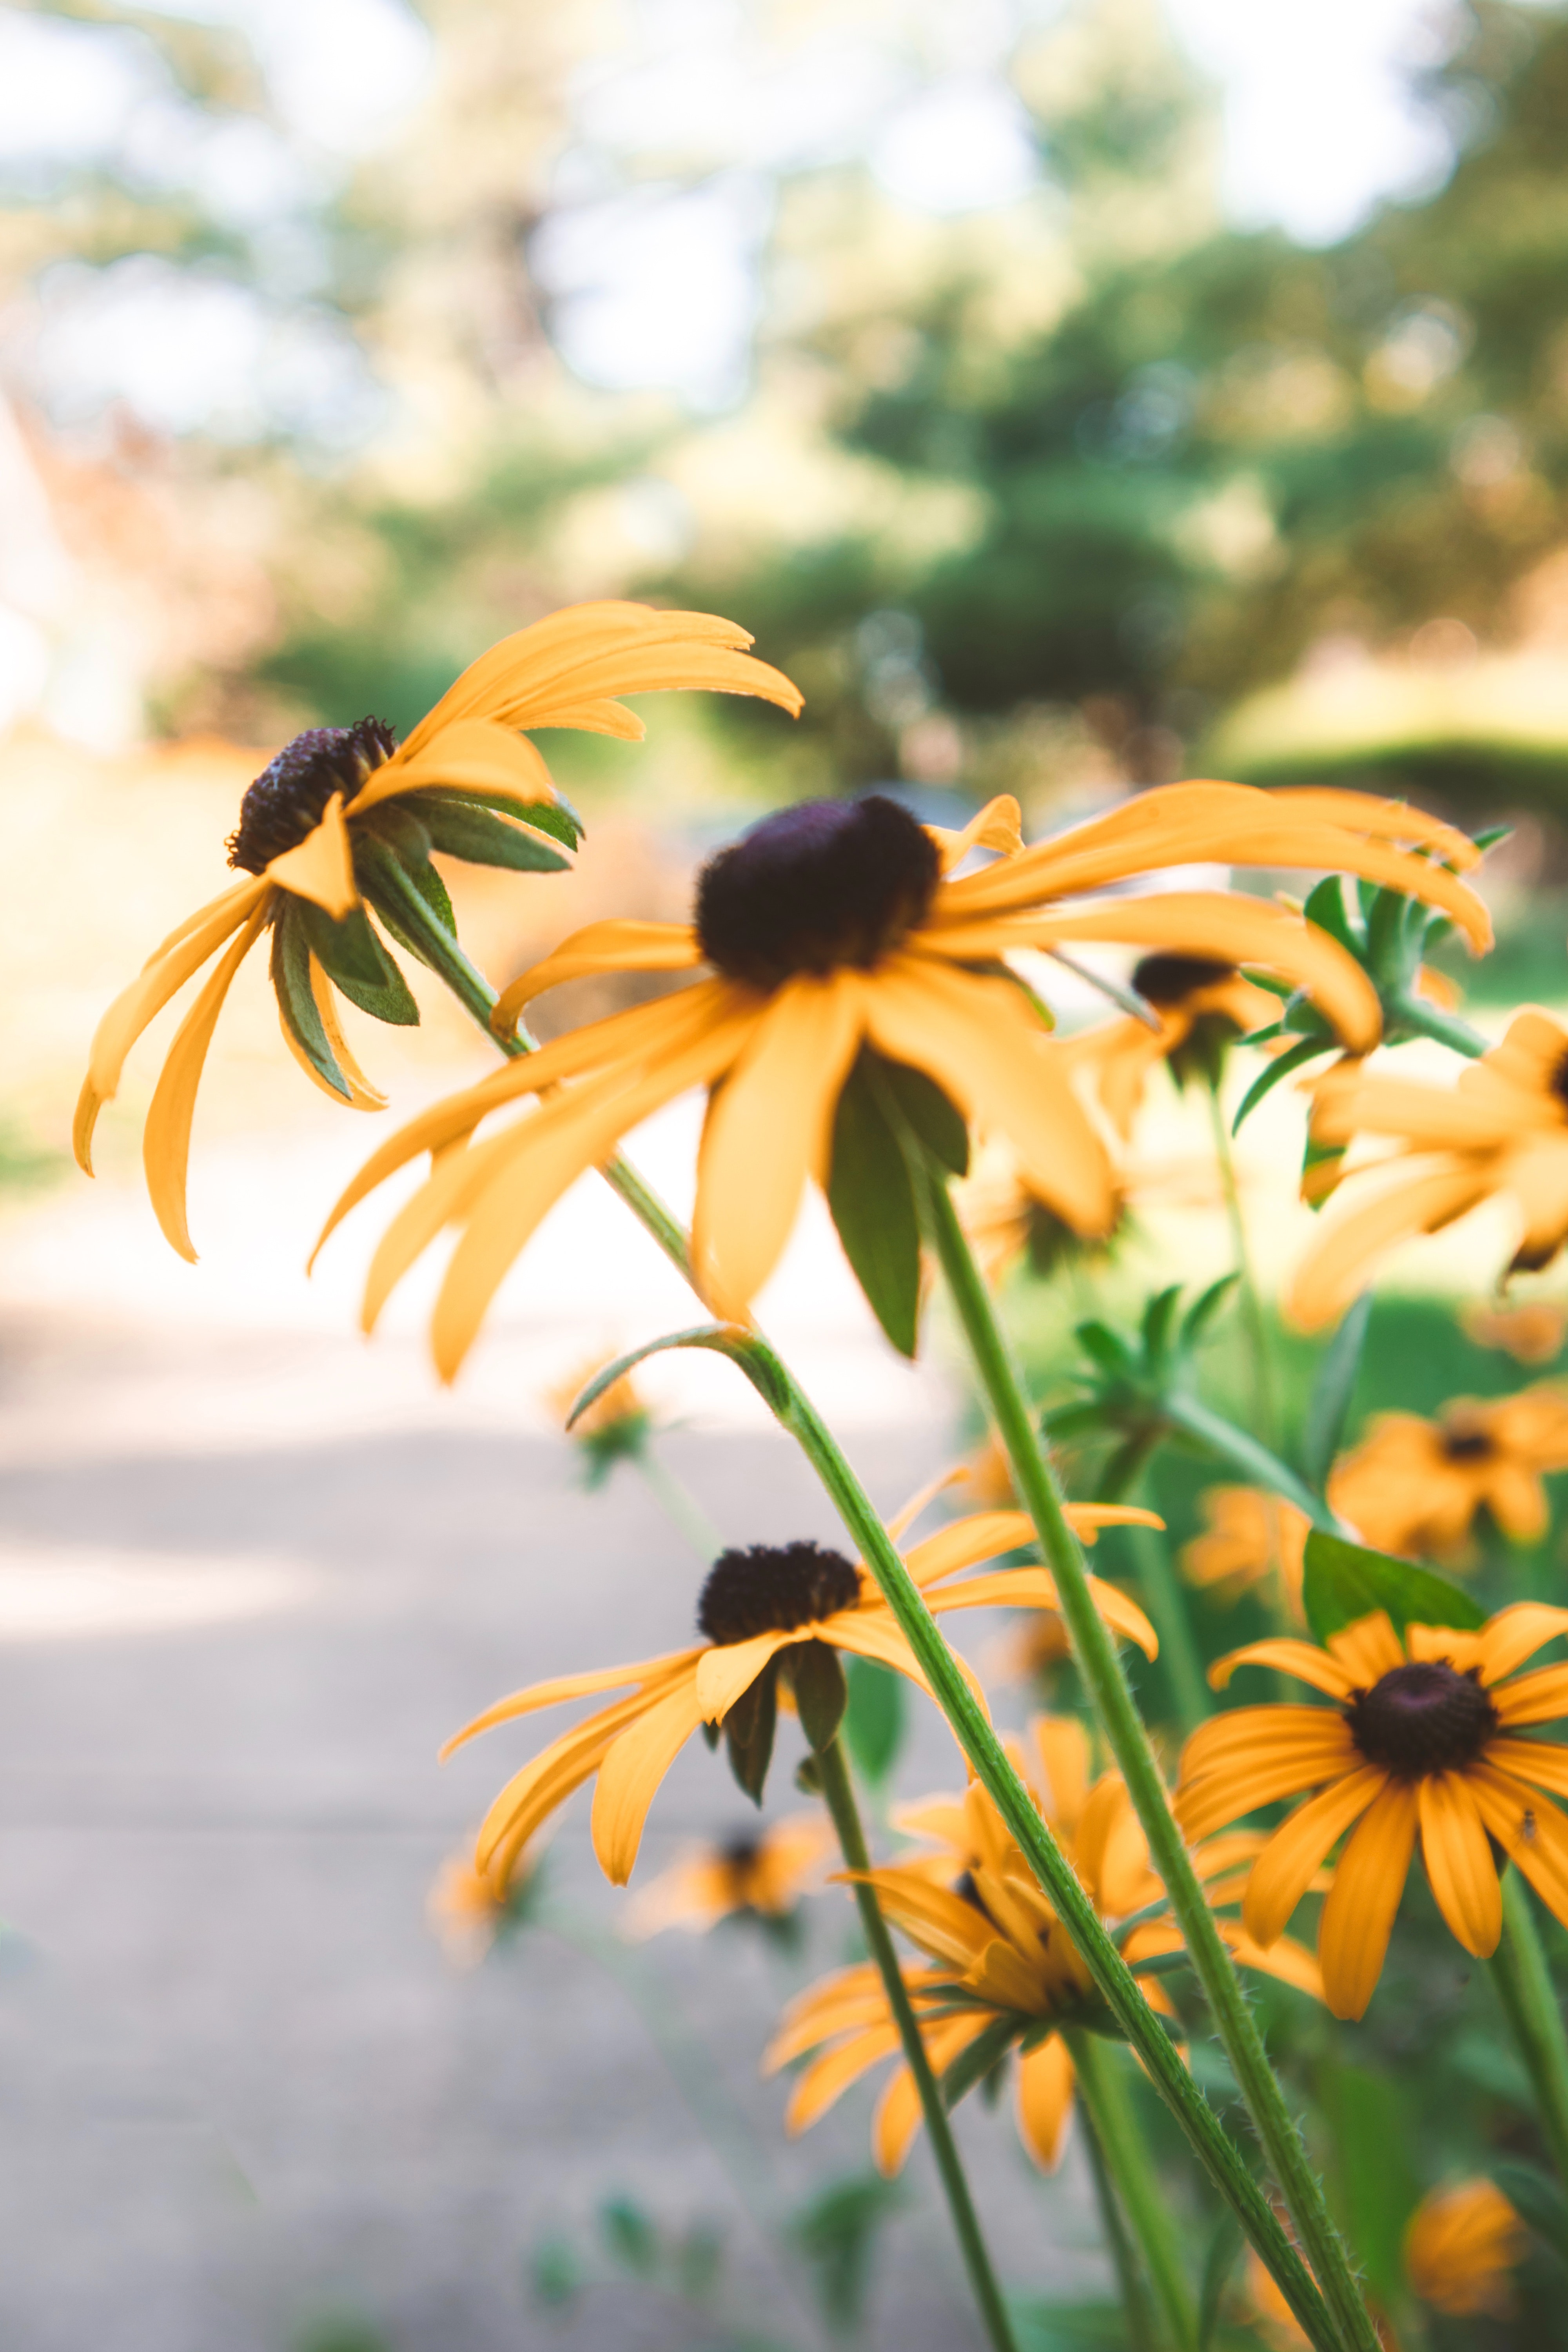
x: 1328, y: 1408
x: 742, y: 1347
x: 821, y: 1693
x: 939, y: 1124
x: 1279, y: 1068
x: 1343, y: 1581
x: 356, y: 961
x: 290, y: 972
x: 872, y: 1202
x: 460, y: 827
x: 875, y: 1719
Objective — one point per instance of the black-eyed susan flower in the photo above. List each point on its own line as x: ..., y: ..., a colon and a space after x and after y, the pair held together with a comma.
x: 1006, y: 1221
x: 1461, y: 2246
x: 1415, y: 1486
x: 1201, y: 1008
x: 1250, y: 1536
x: 1532, y: 1334
x: 765, y: 1615
x: 319, y: 826
x: 1499, y: 1132
x: 999, y: 1958
x: 836, y: 927
x: 1422, y: 1739
x: 764, y: 1873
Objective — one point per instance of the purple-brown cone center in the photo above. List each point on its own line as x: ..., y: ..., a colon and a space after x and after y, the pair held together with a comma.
x: 286, y: 802
x: 1172, y: 979
x: 1467, y: 1445
x: 1423, y: 1717
x: 811, y: 888
x: 772, y: 1589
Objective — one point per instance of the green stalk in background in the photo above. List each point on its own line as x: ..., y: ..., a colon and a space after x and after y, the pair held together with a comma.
x: 1106, y: 1683
x: 971, y: 1724
x: 1113, y: 2128
x: 1121, y: 1482
x: 1252, y: 1308
x: 839, y: 1794
x: 1523, y: 1986
x: 1142, y: 2325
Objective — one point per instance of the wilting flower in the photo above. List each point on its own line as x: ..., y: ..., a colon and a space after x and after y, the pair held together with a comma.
x: 837, y: 926
x: 765, y: 1872
x: 761, y: 1612
x: 313, y: 825
x: 1415, y: 1485
x: 1501, y: 1132
x: 1460, y: 2245
x: 1250, y: 1535
x: 1001, y: 1957
x: 1421, y: 1737
x: 1202, y: 1006
x: 1532, y: 1335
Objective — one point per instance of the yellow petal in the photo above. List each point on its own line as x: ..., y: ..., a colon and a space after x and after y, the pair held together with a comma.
x: 1303, y: 1659
x: 727, y: 1672
x: 473, y: 755
x: 321, y: 866
x: 996, y: 826
x: 1359, y: 1909
x: 1516, y: 1633
x: 1289, y: 1863
x: 1539, y: 1697
x: 648, y: 1673
x: 1044, y: 2100
x: 547, y: 1780
x: 831, y: 2076
x: 135, y: 1006
x: 616, y: 945
x: 1246, y: 1733
x: 630, y: 1775
x: 1531, y: 1832
x: 964, y: 1543
x: 898, y: 2113
x: 1036, y: 1588
x: 167, y: 1137
x: 1542, y: 1763
x: 362, y: 1094
x: 1459, y: 1863
x: 768, y: 1127
x: 1366, y: 1221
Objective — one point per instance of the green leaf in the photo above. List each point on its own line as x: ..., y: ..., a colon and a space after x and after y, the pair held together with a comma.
x: 837, y: 2235
x: 1203, y: 1309
x: 974, y: 2063
x: 873, y: 1205
x: 1345, y: 1580
x: 936, y: 1121
x: 1279, y: 1068
x: 874, y: 1721
x: 356, y: 961
x: 291, y: 969
x: 460, y: 827
x: 1225, y: 2250
x: 557, y: 817
x: 742, y: 1347
x: 629, y: 2233
x: 749, y: 1729
x: 821, y: 1693
x: 1159, y: 1315
x: 1326, y: 906
x: 392, y: 829
x: 1327, y: 1410
x: 1372, y: 2126
x: 1537, y: 2199
x: 1107, y: 1347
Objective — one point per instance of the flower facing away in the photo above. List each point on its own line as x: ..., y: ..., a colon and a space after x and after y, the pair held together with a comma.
x: 1250, y: 1536
x: 1422, y: 1737
x: 1201, y: 1006
x: 469, y: 1908
x: 1006, y: 1220
x: 1001, y: 1963
x: 615, y: 1428
x: 763, y: 1872
x: 1532, y: 1334
x: 339, y: 802
x: 767, y: 1615
x: 1414, y: 1486
x: 1460, y: 2245
x: 1499, y: 1132
x: 834, y: 926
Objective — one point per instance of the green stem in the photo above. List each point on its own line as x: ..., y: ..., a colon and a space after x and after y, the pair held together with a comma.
x: 1151, y: 1557
x: 1252, y: 1308
x: 1141, y: 2326
x: 1101, y: 1668
x: 1414, y: 1014
x: 1523, y: 1985
x: 1102, y: 2085
x: 680, y: 1506
x: 971, y: 1722
x: 840, y: 1795
x: 1256, y: 1464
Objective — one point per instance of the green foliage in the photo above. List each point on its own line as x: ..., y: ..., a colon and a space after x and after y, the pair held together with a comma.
x: 821, y: 1693
x: 871, y: 1196
x: 877, y: 1717
x: 1344, y: 1582
x: 356, y: 961
x: 837, y: 2235
x: 1329, y: 1405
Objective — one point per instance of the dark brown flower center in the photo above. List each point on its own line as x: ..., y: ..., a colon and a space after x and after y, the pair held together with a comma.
x: 1423, y: 1717
x: 823, y: 884
x: 1462, y: 1444
x: 286, y: 802
x: 1557, y: 1083
x: 740, y: 1855
x: 1172, y: 979
x: 772, y: 1589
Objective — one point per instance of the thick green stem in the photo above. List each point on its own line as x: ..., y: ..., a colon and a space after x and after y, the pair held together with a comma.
x: 972, y: 1728
x: 1252, y: 1308
x: 840, y: 1796
x: 1413, y: 1013
x: 1102, y: 2087
x: 1106, y: 1683
x: 1523, y: 1986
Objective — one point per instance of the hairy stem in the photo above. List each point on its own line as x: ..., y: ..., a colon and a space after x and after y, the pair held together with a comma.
x: 1523, y: 1986
x: 1102, y: 2085
x: 840, y: 1796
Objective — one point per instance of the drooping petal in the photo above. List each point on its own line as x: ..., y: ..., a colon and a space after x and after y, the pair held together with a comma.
x: 630, y: 1775
x: 547, y: 1779
x: 1359, y: 1909
x: 648, y: 1673
x: 1044, y: 2100
x: 828, y: 2077
x: 148, y: 994
x: 1287, y: 1863
x: 614, y: 945
x: 1516, y: 1633
x: 769, y: 1126
x: 727, y: 1672
x: 1421, y: 1196
x: 167, y: 1137
x: 1290, y: 1961
x: 1529, y: 1829
x: 1036, y: 1588
x: 940, y: 1923
x: 362, y: 1094
x: 1303, y: 1660
x: 850, y: 1997
x: 321, y: 867
x: 1459, y: 1863
x: 996, y: 826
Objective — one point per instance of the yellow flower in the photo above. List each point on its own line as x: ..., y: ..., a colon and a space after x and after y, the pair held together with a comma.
x: 1459, y: 2246
x: 765, y: 1872
x: 1250, y: 1535
x: 1422, y: 1737
x: 309, y: 816
x: 1501, y: 1132
x: 999, y: 1949
x: 836, y: 926
x: 1415, y: 1485
x: 1003, y: 1218
x: 759, y: 1606
x: 469, y: 1907
x: 1202, y: 1005
x: 1532, y: 1335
